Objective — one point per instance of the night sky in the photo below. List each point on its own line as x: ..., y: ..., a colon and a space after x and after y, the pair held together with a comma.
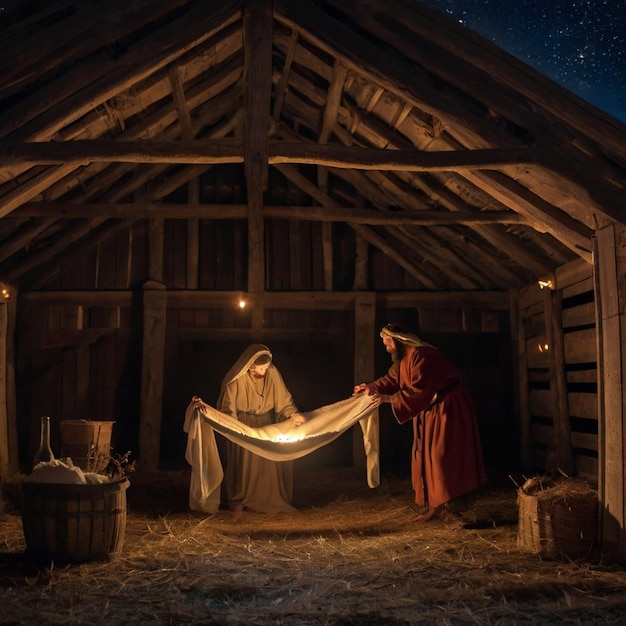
x: 580, y: 44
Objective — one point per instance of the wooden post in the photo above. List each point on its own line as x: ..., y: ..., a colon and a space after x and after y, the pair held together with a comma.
x: 364, y: 337
x: 258, y: 25
x: 9, y: 448
x: 526, y: 453
x: 152, y: 366
x: 558, y: 385
x: 610, y: 285
x: 5, y: 452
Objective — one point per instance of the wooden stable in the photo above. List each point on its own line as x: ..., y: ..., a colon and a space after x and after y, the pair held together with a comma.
x: 335, y: 165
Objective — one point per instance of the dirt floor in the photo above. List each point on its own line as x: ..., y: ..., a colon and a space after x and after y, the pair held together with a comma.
x: 350, y: 555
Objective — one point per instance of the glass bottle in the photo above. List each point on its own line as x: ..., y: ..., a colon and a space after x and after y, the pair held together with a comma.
x: 44, y: 453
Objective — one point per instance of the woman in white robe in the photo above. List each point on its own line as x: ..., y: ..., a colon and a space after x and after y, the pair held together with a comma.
x: 254, y: 392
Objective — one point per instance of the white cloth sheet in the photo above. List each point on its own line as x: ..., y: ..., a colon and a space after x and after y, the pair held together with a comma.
x: 283, y: 441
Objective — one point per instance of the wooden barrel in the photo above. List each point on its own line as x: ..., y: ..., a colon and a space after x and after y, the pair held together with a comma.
x: 87, y: 443
x: 74, y: 522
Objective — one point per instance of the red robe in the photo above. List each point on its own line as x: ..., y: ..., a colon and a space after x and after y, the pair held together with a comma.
x: 447, y: 459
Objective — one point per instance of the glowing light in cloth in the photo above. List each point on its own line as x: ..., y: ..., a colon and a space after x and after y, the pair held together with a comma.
x: 285, y: 441
x: 277, y: 442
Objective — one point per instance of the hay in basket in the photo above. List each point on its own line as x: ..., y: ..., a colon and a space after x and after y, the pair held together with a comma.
x: 557, y: 519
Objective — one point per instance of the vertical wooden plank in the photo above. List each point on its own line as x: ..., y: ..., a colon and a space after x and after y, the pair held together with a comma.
x: 152, y: 367
x: 364, y: 338
x: 193, y: 240
x: 155, y: 249
x: 83, y: 366
x: 609, y: 272
x: 361, y: 258
x: 258, y: 30
x: 281, y: 89
x: 327, y: 235
x: 295, y: 252
x: 5, y: 452
x: 11, y: 298
x: 258, y: 24
x: 514, y: 329
x: 193, y: 186
x: 333, y: 100
x: 564, y: 455
x: 526, y: 456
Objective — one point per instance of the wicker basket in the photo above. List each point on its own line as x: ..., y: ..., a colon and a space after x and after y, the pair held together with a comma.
x: 559, y: 521
x: 74, y: 522
x: 87, y: 443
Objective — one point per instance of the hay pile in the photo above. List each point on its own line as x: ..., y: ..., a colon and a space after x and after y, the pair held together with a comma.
x: 350, y: 555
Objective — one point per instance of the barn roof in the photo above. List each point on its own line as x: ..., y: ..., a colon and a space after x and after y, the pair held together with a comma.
x: 464, y: 166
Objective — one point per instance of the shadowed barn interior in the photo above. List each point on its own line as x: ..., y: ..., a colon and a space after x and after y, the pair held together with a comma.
x: 181, y: 179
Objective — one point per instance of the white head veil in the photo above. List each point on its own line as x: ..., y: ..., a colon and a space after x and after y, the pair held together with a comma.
x: 399, y: 334
x: 244, y: 363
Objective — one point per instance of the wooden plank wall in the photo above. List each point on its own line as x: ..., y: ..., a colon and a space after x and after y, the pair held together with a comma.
x: 83, y: 352
x: 559, y: 390
x: 76, y: 361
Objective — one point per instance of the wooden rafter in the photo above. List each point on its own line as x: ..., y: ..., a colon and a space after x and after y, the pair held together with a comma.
x: 235, y: 151
x: 331, y: 213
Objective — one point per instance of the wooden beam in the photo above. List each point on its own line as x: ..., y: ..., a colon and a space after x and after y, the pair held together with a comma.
x: 388, y: 248
x: 364, y: 337
x: 543, y: 216
x: 610, y: 269
x: 281, y: 89
x: 388, y: 70
x: 319, y: 196
x: 152, y: 369
x: 193, y: 186
x: 525, y: 440
x: 333, y: 100
x: 300, y: 300
x: 422, y: 35
x: 213, y: 151
x: 156, y: 246
x: 552, y: 311
x: 258, y: 26
x: 371, y: 185
x: 361, y: 275
x: 6, y: 453
x: 38, y: 124
x: 329, y: 213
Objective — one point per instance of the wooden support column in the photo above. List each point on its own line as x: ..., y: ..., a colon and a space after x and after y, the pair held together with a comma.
x: 9, y: 462
x: 258, y: 25
x: 552, y: 309
x: 516, y: 330
x: 361, y: 258
x: 155, y: 249
x: 526, y: 452
x: 331, y: 110
x: 193, y: 186
x: 364, y: 338
x: 610, y: 296
x: 152, y: 367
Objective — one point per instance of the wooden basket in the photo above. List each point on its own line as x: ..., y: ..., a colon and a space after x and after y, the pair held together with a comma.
x: 74, y: 522
x: 559, y: 521
x: 87, y: 443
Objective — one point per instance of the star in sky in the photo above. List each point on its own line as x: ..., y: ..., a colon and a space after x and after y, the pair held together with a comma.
x: 580, y: 44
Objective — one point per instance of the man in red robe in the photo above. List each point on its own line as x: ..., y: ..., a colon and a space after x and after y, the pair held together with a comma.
x: 423, y: 386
